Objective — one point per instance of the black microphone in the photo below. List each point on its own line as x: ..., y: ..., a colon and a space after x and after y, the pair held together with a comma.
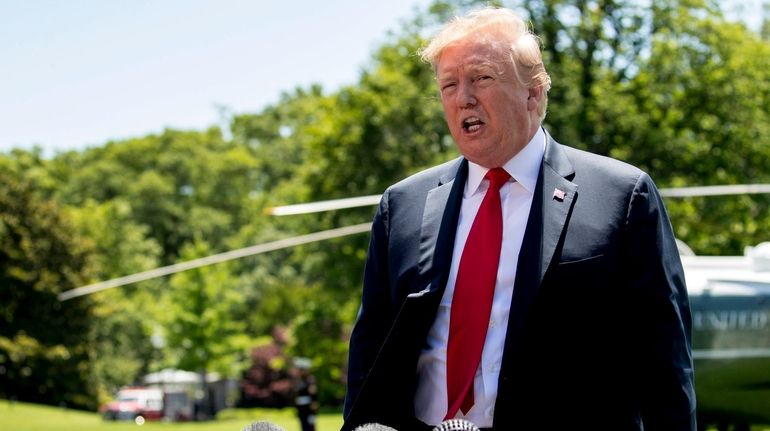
x: 456, y: 425
x: 263, y: 426
x: 374, y: 427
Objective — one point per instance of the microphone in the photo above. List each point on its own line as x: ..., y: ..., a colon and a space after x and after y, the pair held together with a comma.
x: 263, y: 426
x: 374, y: 427
x: 456, y: 425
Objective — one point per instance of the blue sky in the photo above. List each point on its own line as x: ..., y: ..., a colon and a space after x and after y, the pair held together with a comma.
x: 78, y: 73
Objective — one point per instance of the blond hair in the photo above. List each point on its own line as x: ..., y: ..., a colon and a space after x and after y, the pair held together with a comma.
x: 503, y: 29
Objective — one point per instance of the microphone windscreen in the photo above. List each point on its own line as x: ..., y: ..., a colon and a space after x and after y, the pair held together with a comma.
x: 456, y: 425
x: 263, y: 426
x: 374, y: 427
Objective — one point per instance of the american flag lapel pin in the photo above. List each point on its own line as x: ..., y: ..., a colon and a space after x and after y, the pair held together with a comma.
x: 558, y: 194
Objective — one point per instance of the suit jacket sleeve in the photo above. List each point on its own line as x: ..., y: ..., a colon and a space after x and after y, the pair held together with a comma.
x: 661, y: 312
x: 375, y: 314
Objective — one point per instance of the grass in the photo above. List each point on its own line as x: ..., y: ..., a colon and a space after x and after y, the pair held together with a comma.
x: 34, y: 417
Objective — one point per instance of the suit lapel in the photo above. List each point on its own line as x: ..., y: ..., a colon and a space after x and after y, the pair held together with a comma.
x: 557, y: 196
x: 551, y: 206
x: 439, y: 225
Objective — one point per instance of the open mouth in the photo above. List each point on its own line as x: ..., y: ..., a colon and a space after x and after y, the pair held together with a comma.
x: 472, y: 124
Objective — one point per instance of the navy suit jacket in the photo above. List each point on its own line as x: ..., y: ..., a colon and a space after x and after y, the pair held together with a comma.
x: 599, y: 329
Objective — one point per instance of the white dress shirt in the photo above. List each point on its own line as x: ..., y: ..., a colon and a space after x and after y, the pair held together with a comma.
x: 516, y: 199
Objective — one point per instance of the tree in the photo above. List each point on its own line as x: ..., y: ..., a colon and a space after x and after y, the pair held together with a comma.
x: 696, y: 114
x: 587, y: 43
x: 764, y: 31
x: 203, y: 329
x: 178, y: 184
x: 44, y: 344
x: 124, y: 319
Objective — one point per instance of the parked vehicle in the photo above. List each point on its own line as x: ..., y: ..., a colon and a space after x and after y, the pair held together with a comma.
x: 135, y: 403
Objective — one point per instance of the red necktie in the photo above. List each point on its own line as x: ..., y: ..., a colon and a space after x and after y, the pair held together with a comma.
x: 472, y: 300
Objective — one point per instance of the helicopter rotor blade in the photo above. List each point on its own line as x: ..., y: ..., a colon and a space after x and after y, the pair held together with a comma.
x: 738, y: 189
x: 362, y: 201
x: 216, y: 258
x: 314, y: 207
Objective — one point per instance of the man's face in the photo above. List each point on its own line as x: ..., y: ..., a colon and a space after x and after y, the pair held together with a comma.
x: 490, y: 114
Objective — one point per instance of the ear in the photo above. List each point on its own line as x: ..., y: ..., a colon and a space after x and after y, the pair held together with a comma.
x: 534, y: 98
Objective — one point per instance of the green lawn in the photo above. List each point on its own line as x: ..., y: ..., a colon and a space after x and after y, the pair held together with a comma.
x: 33, y: 417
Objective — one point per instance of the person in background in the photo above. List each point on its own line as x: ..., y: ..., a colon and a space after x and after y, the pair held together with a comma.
x: 526, y: 285
x: 306, y: 399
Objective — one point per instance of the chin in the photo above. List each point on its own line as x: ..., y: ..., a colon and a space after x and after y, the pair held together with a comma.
x: 485, y: 162
x: 477, y: 154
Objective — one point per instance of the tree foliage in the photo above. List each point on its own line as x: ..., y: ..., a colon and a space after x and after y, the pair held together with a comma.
x: 179, y: 184
x: 200, y: 328
x: 44, y: 345
x: 122, y: 329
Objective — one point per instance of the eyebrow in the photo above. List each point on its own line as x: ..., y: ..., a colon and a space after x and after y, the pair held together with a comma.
x: 473, y: 66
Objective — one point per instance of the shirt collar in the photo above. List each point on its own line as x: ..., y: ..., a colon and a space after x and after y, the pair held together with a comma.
x: 524, y: 167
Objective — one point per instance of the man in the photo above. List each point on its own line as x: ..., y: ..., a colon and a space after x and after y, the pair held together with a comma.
x: 526, y: 285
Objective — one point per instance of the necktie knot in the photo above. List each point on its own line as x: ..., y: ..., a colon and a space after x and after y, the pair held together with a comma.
x: 497, y: 177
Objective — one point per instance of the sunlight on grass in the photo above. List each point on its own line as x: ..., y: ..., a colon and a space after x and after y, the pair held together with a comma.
x: 32, y: 417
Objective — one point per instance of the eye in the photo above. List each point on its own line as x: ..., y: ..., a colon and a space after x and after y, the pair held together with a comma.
x: 482, y: 78
x: 447, y: 86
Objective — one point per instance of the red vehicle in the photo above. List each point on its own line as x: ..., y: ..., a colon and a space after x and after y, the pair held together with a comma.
x: 137, y: 404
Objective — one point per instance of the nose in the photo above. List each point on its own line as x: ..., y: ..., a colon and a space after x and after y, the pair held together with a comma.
x: 465, y: 96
